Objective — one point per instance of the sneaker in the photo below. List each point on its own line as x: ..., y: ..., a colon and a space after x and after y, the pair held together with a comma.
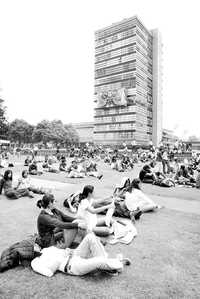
x: 126, y: 261
x: 31, y: 195
x: 100, y: 176
x: 138, y: 215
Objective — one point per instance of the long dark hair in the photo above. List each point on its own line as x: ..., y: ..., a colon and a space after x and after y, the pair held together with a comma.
x: 135, y: 184
x: 45, y: 201
x: 86, y: 190
x: 6, y: 175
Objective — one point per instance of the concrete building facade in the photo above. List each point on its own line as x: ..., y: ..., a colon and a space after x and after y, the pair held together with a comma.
x: 128, y: 84
x: 85, y: 131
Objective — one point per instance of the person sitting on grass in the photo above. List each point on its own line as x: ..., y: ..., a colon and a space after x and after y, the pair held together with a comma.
x: 50, y: 167
x: 25, y: 183
x: 74, y: 172
x: 9, y: 191
x: 33, y: 169
x: 89, y: 256
x: 118, y: 200
x: 91, y: 169
x: 88, y: 213
x: 27, y: 161
x: 63, y: 164
x: 53, y: 225
x: 136, y: 200
x: 147, y: 175
x: 182, y: 177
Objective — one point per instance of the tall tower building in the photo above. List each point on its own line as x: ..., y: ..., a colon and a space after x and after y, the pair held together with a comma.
x: 128, y: 84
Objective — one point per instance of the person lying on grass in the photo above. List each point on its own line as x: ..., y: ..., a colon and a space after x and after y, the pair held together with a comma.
x: 6, y: 184
x: 53, y: 225
x: 89, y: 256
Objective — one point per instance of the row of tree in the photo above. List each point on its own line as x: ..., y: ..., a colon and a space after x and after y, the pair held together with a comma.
x: 20, y: 131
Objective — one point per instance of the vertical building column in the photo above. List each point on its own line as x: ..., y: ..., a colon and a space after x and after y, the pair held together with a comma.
x: 157, y: 88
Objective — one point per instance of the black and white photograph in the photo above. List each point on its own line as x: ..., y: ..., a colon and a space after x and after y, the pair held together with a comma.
x: 99, y: 149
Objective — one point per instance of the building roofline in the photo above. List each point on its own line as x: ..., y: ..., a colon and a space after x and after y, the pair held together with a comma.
x: 135, y: 17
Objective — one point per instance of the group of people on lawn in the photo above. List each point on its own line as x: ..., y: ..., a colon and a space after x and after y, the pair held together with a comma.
x: 57, y: 230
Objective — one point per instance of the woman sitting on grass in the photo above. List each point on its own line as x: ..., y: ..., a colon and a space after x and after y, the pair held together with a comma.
x: 118, y: 199
x: 136, y: 200
x: 53, y: 224
x: 9, y: 191
x: 88, y: 213
x: 25, y: 183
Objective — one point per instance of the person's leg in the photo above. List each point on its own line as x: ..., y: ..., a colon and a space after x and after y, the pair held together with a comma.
x: 81, y: 266
x: 22, y: 192
x: 69, y: 236
x: 90, y: 246
x: 102, y: 231
x: 12, y: 194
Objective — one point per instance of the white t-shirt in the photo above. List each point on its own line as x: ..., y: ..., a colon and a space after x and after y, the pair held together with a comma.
x: 137, y: 199
x: 51, y: 260
x: 83, y: 213
x: 25, y: 183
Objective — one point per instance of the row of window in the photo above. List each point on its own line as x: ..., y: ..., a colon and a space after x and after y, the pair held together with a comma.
x: 129, y: 83
x: 123, y: 26
x: 116, y: 110
x: 116, y: 69
x: 116, y: 118
x: 112, y: 79
x: 119, y: 52
x: 115, y: 61
x: 116, y: 37
x: 115, y: 45
x: 120, y: 126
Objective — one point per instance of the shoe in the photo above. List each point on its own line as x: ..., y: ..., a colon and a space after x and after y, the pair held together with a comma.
x: 100, y: 176
x: 138, y: 215
x: 31, y: 195
x: 125, y: 261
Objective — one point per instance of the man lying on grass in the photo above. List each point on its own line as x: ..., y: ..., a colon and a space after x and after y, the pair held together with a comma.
x: 89, y: 256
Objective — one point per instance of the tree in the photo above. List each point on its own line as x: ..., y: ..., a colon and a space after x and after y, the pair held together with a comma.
x: 20, y: 131
x: 43, y: 132
x: 54, y: 131
x: 3, y: 121
x: 72, y: 134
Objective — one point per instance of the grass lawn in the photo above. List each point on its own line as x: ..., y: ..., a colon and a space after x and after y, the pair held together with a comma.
x: 165, y: 254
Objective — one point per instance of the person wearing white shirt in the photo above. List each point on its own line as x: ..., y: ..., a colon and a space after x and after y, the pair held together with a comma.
x: 88, y: 257
x: 135, y: 199
x: 88, y: 213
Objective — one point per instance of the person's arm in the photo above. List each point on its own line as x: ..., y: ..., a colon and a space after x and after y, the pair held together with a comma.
x: 19, y: 183
x: 66, y: 218
x: 54, y: 222
x: 99, y: 210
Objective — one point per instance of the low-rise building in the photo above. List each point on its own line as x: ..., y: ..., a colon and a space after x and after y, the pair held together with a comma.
x: 85, y: 131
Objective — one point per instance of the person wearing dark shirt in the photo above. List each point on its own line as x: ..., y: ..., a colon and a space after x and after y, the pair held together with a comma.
x: 146, y: 175
x: 33, y: 169
x: 9, y: 191
x: 53, y: 224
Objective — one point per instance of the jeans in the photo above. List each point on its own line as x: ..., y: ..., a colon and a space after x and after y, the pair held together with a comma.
x: 90, y: 256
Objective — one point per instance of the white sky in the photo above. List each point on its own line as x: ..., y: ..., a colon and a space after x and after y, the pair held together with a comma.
x: 47, y: 57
